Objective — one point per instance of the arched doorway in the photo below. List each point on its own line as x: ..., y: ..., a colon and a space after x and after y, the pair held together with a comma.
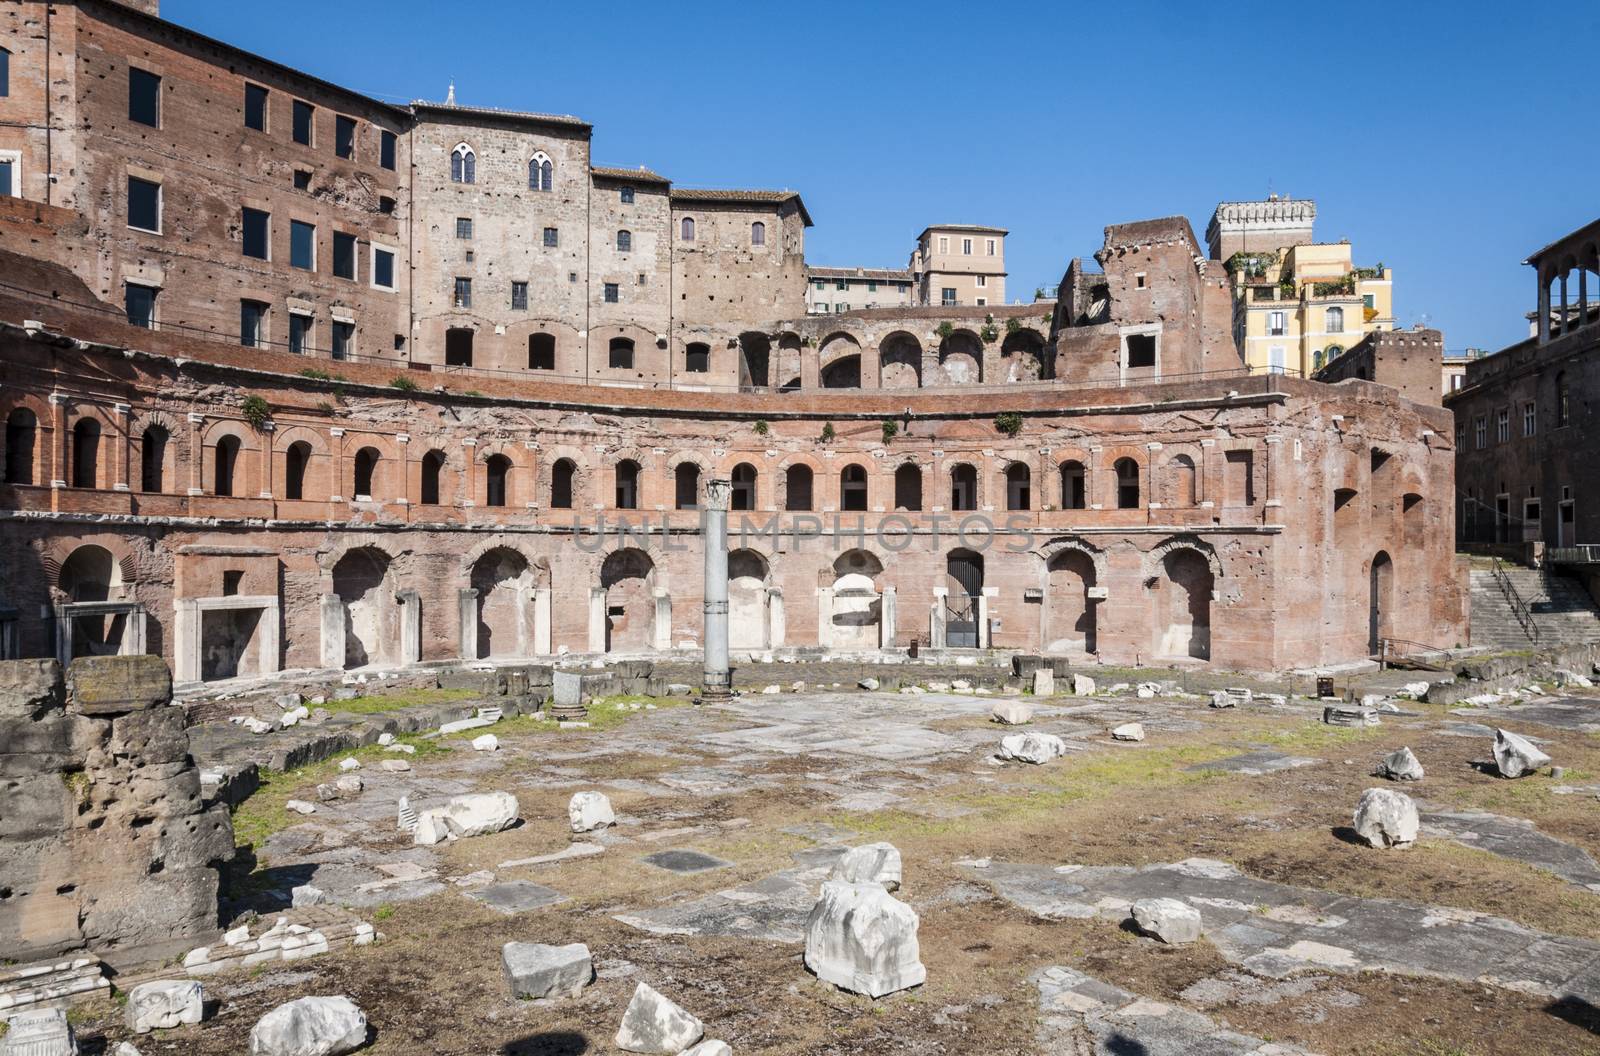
x: 964, y: 583
x: 686, y: 485
x: 908, y: 487
x: 628, y: 578
x: 89, y: 575
x: 899, y: 362
x: 504, y: 581
x: 22, y: 432
x: 748, y: 624
x: 743, y: 494
x: 857, y: 607
x: 1380, y: 601
x: 1183, y: 605
x: 842, y: 373
x: 153, y: 459
x: 797, y: 487
x: 360, y: 580
x: 961, y: 358
x: 1070, y: 612
x: 85, y: 453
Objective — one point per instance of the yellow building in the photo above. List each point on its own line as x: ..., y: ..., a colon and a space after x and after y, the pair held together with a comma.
x: 1297, y: 303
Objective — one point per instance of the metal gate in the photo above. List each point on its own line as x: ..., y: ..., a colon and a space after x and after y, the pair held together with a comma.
x: 965, y: 571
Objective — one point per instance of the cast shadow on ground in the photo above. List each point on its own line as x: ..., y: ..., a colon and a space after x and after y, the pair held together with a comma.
x: 1577, y: 1011
x: 554, y: 1043
x: 1346, y: 834
x: 1122, y: 1045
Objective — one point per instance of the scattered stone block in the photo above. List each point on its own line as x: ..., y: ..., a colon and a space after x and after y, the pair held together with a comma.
x: 1241, y: 695
x: 589, y: 811
x: 125, y: 1048
x: 862, y: 939
x: 349, y: 763
x: 1044, y: 682
x: 486, y: 743
x: 117, y: 685
x: 534, y: 970
x: 1350, y: 715
x: 1168, y: 919
x: 710, y: 1048
x: 1011, y: 713
x: 44, y: 1032
x: 1128, y: 731
x: 396, y: 766
x: 1082, y: 686
x: 1415, y: 690
x: 1220, y: 699
x: 403, y: 749
x: 300, y: 806
x: 474, y: 814
x: 873, y: 863
x: 307, y: 895
x: 310, y: 1026
x: 772, y: 689
x: 164, y: 1004
x: 406, y: 819
x: 868, y: 683
x: 1032, y: 747
x: 1386, y: 818
x: 385, y: 739
x: 1515, y: 755
x: 653, y: 1024
x: 1401, y: 765
x: 1147, y: 690
x: 350, y: 785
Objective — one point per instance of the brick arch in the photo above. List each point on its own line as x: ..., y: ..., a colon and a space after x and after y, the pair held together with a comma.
x: 780, y: 477
x: 328, y: 556
x: 521, y: 481
x: 569, y: 347
x: 502, y: 541
x: 247, y: 472
x: 58, y: 550
x: 44, y: 430
x: 763, y: 467
x: 582, y: 475
x: 1166, y: 483
x: 1150, y: 561
x: 947, y: 466
x: 391, y: 465
x: 1053, y: 547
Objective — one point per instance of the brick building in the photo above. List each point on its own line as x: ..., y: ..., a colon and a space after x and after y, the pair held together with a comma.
x: 531, y: 344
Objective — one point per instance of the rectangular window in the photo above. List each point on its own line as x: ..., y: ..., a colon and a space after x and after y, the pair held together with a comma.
x: 991, y: 247
x: 463, y: 227
x: 463, y: 293
x: 1502, y: 426
x: 302, y: 179
x: 551, y: 240
x: 1530, y: 420
x: 386, y: 149
x: 966, y: 247
x: 947, y: 295
x: 144, y: 97
x: 5, y: 72
x: 983, y: 281
x: 1369, y: 300
x: 8, y: 178
x: 302, y: 245
x: 519, y: 296
x: 626, y: 195
x: 944, y: 244
x: 383, y: 268
x: 344, y: 340
x: 344, y: 136
x: 344, y: 256
x: 302, y: 122
x: 641, y: 278
x: 140, y: 302
x: 252, y: 324
x: 255, y: 107
x: 144, y: 205
x: 1461, y: 436
x: 1481, y: 431
x: 611, y: 293
x: 299, y: 334
x: 257, y: 242
x: 820, y: 284
x: 1275, y: 324
x: 872, y: 287
x: 385, y: 204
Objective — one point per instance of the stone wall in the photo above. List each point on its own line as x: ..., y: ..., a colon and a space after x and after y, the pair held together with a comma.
x: 1405, y: 360
x: 104, y: 840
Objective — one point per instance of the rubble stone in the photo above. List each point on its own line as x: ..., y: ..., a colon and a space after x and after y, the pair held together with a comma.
x: 310, y: 1026
x: 164, y: 1004
x: 1386, y: 818
x: 1515, y: 755
x: 862, y: 939
x: 534, y: 970
x: 589, y: 811
x: 1168, y: 919
x: 653, y: 1024
x: 873, y: 863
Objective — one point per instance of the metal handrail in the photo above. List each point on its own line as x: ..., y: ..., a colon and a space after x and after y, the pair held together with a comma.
x: 1519, y: 608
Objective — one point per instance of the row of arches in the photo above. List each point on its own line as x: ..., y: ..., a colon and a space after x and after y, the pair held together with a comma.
x: 959, y: 358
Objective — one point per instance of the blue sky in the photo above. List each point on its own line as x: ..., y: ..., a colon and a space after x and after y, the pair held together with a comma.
x: 1446, y: 140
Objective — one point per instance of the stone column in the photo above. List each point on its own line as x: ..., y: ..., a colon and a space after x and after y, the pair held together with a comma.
x: 469, y: 483
x: 983, y: 617
x: 776, y: 623
x: 133, y: 635
x: 467, y: 610
x: 332, y: 632
x: 410, y: 626
x: 58, y: 449
x: 597, y: 619
x: 1093, y: 477
x: 1152, y: 501
x: 1274, y: 474
x: 186, y: 640
x: 886, y: 618
x: 197, y: 453
x: 717, y: 683
x: 1565, y: 322
x: 406, y: 497
x: 825, y: 617
x: 1207, y: 473
x: 268, y: 429
x: 124, y: 445
x: 1544, y: 307
x: 661, y: 628
x: 336, y: 491
x: 63, y: 636
x: 541, y: 622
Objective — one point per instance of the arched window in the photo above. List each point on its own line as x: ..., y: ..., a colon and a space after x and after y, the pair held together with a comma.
x: 497, y: 470
x: 153, y: 459
x: 1127, y: 484
x: 624, y: 241
x: 1334, y: 352
x: 686, y: 229
x: 1019, y: 487
x: 366, y: 469
x: 22, y: 431
x: 1563, y: 400
x: 295, y: 462
x: 432, y: 470
x: 561, y: 475
x: 541, y: 351
x: 223, y: 464
x: 908, y: 487
x: 853, y: 488
x: 463, y: 165
x: 697, y: 358
x: 541, y: 173
x: 1074, y: 496
x: 963, y: 487
x: 620, y: 353
x: 797, y: 483
x: 743, y: 496
x: 758, y: 234
x: 687, y: 484
x: 85, y: 452
x: 627, y: 484
x: 1335, y: 321
x: 1316, y: 360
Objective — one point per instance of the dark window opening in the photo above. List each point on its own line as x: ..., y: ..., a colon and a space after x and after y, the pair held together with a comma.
x: 1073, y: 495
x: 5, y: 73
x: 697, y: 358
x: 302, y: 179
x: 255, y: 107
x: 302, y: 122
x: 908, y: 488
x: 344, y: 255
x: 153, y: 459
x: 963, y: 488
x: 256, y: 226
x: 620, y: 354
x: 144, y: 97
x: 383, y: 269
x: 624, y: 241
x: 140, y: 302
x: 551, y: 238
x: 611, y: 293
x: 302, y: 245
x: 144, y: 204
x: 541, y: 351
x: 344, y: 339
x: 458, y: 347
x: 627, y: 484
x: 224, y: 461
x: 797, y: 481
x: 519, y: 296
x: 1019, y: 487
x: 853, y: 489
x: 561, y: 475
x: 497, y: 470
x: 626, y: 194
x: 432, y: 469
x: 366, y: 469
x: 252, y: 324
x: 22, y: 431
x: 1141, y: 350
x: 232, y: 580
x: 385, y: 204
x: 386, y: 141
x: 299, y: 333
x: 1127, y: 471
x: 686, y: 483
x: 463, y: 296
x: 85, y: 453
x: 743, y: 495
x: 296, y: 462
x: 344, y: 136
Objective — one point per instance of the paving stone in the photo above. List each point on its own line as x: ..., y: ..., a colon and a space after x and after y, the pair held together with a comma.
x: 685, y: 862
x: 1254, y: 764
x: 1517, y: 839
x: 516, y: 896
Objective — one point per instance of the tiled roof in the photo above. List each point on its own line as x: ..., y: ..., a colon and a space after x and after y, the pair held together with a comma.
x: 758, y: 197
x: 510, y: 115
x: 639, y: 175
x: 979, y: 228
x: 873, y: 274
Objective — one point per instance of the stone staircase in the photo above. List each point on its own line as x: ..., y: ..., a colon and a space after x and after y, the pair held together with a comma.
x: 1562, y: 609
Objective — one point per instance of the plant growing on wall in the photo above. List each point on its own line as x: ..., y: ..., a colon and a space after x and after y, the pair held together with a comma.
x: 827, y: 433
x: 1038, y: 293
x: 1012, y: 325
x: 989, y: 334
x: 891, y: 429
x: 403, y: 383
x: 761, y: 427
x: 945, y: 329
x: 256, y: 411
x: 1010, y: 423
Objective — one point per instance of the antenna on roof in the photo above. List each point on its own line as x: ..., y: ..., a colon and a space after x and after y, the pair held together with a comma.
x: 450, y: 96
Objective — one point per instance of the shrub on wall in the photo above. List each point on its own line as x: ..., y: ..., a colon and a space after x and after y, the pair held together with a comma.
x: 403, y: 383
x: 827, y: 433
x: 256, y: 411
x: 1009, y: 423
x: 761, y: 427
x: 891, y: 429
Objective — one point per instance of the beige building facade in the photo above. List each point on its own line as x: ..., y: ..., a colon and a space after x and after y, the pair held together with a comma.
x: 833, y: 290
x: 958, y: 265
